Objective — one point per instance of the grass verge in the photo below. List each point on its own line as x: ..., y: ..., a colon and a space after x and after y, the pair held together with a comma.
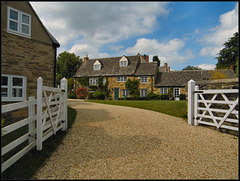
x: 174, y: 108
x: 26, y: 167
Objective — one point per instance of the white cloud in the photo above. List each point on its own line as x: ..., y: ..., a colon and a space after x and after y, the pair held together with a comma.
x: 83, y: 50
x: 207, y: 66
x: 221, y: 33
x: 167, y: 52
x: 98, y: 23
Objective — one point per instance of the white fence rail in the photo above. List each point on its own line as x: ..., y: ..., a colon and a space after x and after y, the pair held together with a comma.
x: 213, y: 107
x: 51, y: 116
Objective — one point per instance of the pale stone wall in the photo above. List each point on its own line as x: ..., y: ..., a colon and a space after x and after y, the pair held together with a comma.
x: 27, y: 57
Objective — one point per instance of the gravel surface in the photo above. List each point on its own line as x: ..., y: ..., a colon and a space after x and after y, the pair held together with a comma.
x: 115, y: 142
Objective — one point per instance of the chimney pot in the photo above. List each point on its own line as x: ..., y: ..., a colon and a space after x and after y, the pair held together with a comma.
x: 85, y: 58
x: 165, y: 65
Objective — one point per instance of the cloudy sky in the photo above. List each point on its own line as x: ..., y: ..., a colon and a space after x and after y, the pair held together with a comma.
x: 180, y: 33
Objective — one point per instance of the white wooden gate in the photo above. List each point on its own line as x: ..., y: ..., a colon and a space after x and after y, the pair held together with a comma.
x: 51, y: 116
x: 217, y: 108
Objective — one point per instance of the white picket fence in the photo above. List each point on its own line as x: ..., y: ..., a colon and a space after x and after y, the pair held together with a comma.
x: 201, y: 108
x: 51, y: 116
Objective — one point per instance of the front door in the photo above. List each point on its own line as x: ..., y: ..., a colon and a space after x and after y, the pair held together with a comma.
x: 116, y: 94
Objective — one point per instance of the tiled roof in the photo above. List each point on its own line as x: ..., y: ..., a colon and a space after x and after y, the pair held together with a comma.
x: 180, y: 78
x: 111, y: 67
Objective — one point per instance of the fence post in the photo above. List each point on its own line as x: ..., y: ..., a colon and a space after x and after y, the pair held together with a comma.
x: 191, y: 85
x: 39, y: 113
x: 196, y: 105
x: 64, y: 87
x: 31, y: 125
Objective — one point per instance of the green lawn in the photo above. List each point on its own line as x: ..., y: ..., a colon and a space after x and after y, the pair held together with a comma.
x: 174, y: 108
x: 26, y: 166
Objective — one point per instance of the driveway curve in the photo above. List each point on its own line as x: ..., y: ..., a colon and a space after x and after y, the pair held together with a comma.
x: 115, y: 142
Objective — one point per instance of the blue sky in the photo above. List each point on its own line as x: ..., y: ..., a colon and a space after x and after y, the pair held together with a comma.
x: 180, y: 33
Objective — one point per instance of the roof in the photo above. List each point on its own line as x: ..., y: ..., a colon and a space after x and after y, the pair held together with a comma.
x: 54, y: 41
x: 180, y: 78
x: 148, y: 68
x: 111, y: 67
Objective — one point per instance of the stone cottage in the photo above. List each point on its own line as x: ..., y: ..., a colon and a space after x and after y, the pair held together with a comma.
x: 28, y: 51
x: 153, y: 78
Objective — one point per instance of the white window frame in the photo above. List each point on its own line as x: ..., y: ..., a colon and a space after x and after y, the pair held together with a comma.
x: 10, y: 88
x: 163, y: 90
x: 93, y: 82
x: 176, y: 92
x: 143, y: 79
x: 19, y: 22
x: 121, y: 78
x: 125, y: 93
x: 97, y: 65
x: 123, y: 62
x: 143, y: 92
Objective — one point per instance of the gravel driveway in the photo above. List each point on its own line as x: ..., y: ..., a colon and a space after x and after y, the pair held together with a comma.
x: 115, y: 142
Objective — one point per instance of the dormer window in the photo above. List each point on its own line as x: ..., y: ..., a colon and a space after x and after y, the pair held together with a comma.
x: 97, y: 65
x: 123, y: 62
x: 19, y: 23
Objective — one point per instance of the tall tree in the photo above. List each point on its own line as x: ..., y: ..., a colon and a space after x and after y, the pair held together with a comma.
x: 156, y: 59
x: 229, y: 54
x: 67, y: 65
x: 191, y: 68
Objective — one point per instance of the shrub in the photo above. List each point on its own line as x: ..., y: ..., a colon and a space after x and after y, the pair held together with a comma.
x: 152, y: 95
x: 164, y: 97
x: 182, y: 96
x: 90, y: 95
x: 81, y: 93
x: 98, y: 95
x: 72, y: 96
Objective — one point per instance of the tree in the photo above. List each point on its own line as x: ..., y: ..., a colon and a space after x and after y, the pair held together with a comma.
x: 133, y: 87
x: 229, y: 54
x: 156, y: 59
x: 191, y: 68
x: 67, y: 65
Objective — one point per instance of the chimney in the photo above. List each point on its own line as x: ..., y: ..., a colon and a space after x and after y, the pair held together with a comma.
x: 146, y: 57
x: 232, y: 67
x: 85, y: 58
x: 168, y: 69
x: 165, y: 66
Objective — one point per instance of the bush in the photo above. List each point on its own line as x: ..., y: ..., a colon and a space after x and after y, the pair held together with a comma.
x: 72, y: 96
x: 98, y: 95
x: 182, y: 96
x: 90, y: 95
x: 164, y: 97
x: 152, y: 95
x: 82, y: 93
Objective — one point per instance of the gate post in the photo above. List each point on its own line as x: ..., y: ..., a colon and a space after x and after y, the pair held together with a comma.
x: 64, y: 87
x: 191, y: 85
x: 196, y: 106
x: 39, y: 113
x: 31, y: 125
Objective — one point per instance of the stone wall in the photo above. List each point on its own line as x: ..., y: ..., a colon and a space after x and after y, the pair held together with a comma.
x: 27, y: 57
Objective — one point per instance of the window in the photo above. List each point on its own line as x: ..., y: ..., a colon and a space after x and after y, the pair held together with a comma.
x: 97, y: 65
x: 122, y: 79
x: 164, y: 90
x: 125, y: 93
x: 93, y: 81
x: 176, y: 92
x: 13, y: 88
x: 123, y: 62
x: 143, y: 92
x: 19, y: 22
x: 144, y: 79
